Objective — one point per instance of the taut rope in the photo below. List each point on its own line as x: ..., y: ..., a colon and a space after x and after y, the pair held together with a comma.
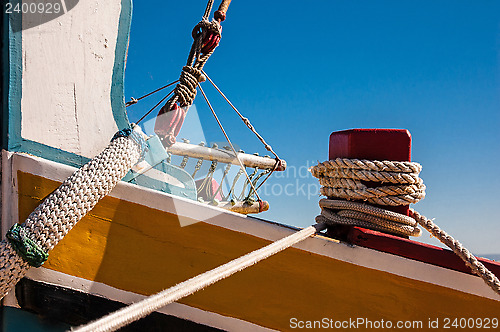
x: 341, y: 178
x: 141, y: 309
x: 28, y: 244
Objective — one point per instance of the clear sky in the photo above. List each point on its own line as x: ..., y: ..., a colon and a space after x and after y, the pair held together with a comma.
x: 300, y: 70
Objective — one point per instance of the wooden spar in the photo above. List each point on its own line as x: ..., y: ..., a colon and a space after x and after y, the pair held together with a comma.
x: 220, y: 14
x: 223, y: 156
x: 244, y: 207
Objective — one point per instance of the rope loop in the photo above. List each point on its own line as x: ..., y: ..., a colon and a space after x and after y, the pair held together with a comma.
x: 205, y: 26
x: 343, y: 178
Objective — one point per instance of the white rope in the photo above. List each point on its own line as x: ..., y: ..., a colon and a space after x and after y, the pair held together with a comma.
x: 138, y: 310
x: 62, y: 209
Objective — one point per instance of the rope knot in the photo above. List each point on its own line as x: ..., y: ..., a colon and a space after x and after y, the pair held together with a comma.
x: 207, y: 35
x: 186, y: 88
x: 205, y: 26
x: 136, y: 137
x: 28, y: 249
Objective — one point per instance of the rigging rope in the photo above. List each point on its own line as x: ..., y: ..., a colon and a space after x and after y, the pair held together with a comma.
x: 28, y: 244
x: 229, y: 142
x: 341, y: 178
x: 279, y: 162
x: 136, y: 100
x: 245, y: 120
x: 154, y: 107
x: 141, y: 309
x: 206, y: 35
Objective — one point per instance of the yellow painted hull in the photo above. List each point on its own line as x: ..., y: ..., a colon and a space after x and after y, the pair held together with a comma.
x: 143, y: 250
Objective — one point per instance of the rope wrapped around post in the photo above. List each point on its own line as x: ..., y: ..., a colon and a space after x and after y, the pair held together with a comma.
x: 28, y: 244
x: 401, y: 185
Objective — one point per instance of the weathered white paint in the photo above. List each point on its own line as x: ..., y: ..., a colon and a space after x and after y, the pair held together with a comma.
x: 9, y: 193
x: 67, y: 73
x: 174, y: 309
x: 320, y: 245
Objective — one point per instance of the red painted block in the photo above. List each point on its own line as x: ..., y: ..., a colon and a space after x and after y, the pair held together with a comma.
x: 373, y: 144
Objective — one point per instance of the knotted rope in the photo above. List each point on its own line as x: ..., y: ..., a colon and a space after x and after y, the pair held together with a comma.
x: 206, y: 37
x: 28, y: 244
x: 341, y: 178
x: 192, y: 72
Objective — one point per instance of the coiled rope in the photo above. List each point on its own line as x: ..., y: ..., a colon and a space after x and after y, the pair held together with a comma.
x: 28, y: 244
x: 138, y: 310
x: 401, y: 185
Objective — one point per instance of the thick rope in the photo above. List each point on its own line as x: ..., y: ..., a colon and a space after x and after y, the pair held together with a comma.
x: 138, y: 310
x: 62, y: 209
x: 364, y: 215
x: 341, y: 178
x: 470, y: 260
x: 192, y: 72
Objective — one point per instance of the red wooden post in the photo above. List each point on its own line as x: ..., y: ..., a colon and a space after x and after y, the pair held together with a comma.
x: 373, y: 144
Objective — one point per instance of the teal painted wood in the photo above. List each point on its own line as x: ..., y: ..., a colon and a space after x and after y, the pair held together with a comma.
x: 11, y: 106
x: 18, y: 320
x: 118, y: 80
x: 12, y: 139
x: 189, y: 191
x: 156, y: 156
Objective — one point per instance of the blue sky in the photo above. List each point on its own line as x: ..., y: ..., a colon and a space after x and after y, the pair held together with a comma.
x: 300, y: 70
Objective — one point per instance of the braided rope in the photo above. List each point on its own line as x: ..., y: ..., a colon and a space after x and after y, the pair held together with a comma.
x: 341, y: 178
x: 62, y: 209
x: 470, y: 260
x: 359, y: 214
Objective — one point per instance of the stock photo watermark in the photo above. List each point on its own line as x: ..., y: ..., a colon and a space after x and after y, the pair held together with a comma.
x: 219, y: 178
x: 382, y: 324
x: 294, y: 181
x: 28, y: 14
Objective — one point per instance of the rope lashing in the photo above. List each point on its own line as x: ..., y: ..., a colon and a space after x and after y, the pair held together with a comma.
x: 141, y: 309
x: 359, y: 214
x: 280, y: 165
x: 242, y: 167
x: 27, y: 244
x: 341, y: 178
x: 206, y: 36
x: 25, y: 247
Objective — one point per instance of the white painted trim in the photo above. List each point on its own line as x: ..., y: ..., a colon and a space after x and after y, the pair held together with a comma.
x: 320, y: 245
x: 174, y: 309
x: 9, y: 193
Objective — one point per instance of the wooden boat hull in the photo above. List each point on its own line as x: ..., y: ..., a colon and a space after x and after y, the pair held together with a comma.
x: 137, y: 242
